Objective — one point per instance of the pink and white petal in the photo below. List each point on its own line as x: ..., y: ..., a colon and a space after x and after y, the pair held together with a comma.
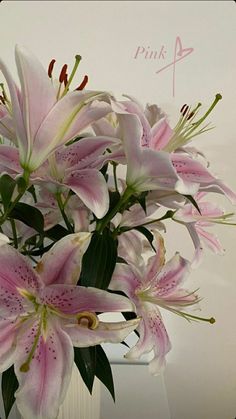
x: 192, y: 171
x: 160, y: 134
x: 131, y: 134
x: 130, y: 247
x: 69, y: 299
x: 7, y: 128
x: 62, y: 263
x: 219, y: 187
x: 38, y: 93
x: 210, y: 240
x: 42, y: 389
x: 181, y: 298
x: 91, y: 188
x: 153, y: 335
x: 8, y: 333
x: 171, y: 275
x: 155, y: 263
x: 104, y: 127
x: 105, y: 332
x: 17, y: 111
x: 126, y: 279
x: 10, y: 160
x: 191, y: 227
x: 83, y: 153
x: 136, y: 109
x: 64, y: 122
x: 16, y: 277
x: 3, y: 239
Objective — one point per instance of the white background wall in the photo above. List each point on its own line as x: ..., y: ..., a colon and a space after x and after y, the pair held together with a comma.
x: 199, y: 381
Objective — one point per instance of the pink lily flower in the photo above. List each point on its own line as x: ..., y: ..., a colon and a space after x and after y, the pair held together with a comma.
x: 146, y: 169
x: 196, y: 176
x: 75, y: 167
x: 41, y: 121
x: 43, y: 315
x: 154, y: 285
x: 197, y: 222
x: 193, y: 174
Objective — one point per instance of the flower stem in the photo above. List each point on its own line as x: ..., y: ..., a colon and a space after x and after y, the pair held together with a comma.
x: 103, y: 223
x: 65, y: 218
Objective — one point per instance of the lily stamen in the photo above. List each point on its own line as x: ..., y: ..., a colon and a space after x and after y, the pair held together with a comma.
x: 83, y: 83
x: 50, y: 68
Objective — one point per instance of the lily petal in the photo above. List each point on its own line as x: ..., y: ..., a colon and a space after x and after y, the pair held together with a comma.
x: 16, y: 277
x: 43, y: 388
x: 16, y: 99
x: 153, y: 336
x: 38, y: 93
x: 105, y: 332
x: 91, y: 188
x: 9, y: 160
x: 8, y: 331
x: 69, y: 299
x: 62, y: 263
x: 147, y: 169
x: 64, y: 122
x: 171, y: 275
x: 83, y: 153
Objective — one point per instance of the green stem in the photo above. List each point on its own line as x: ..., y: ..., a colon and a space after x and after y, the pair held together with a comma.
x: 13, y: 226
x: 13, y: 204
x: 65, y: 218
x: 115, y: 177
x: 77, y: 61
x: 103, y: 223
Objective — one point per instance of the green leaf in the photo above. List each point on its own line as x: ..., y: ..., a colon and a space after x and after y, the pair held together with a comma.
x: 193, y: 202
x: 7, y: 186
x: 21, y: 185
x: 9, y: 387
x: 142, y: 201
x: 99, y: 261
x: 29, y: 215
x: 85, y: 359
x: 147, y: 234
x: 56, y: 232
x: 103, y: 370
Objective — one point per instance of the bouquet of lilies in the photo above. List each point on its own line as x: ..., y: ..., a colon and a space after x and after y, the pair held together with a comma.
x: 87, y: 183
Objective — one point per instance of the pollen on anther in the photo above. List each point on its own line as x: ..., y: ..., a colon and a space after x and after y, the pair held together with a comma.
x: 184, y: 109
x: 83, y: 84
x: 50, y: 68
x: 63, y: 73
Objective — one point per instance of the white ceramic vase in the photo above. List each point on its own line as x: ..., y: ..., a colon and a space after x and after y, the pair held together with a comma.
x: 78, y: 403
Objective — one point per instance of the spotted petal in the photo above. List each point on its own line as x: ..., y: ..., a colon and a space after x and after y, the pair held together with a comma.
x: 8, y: 332
x: 62, y: 263
x: 69, y: 299
x: 91, y: 188
x: 105, y: 332
x: 153, y: 336
x: 16, y: 277
x: 43, y: 387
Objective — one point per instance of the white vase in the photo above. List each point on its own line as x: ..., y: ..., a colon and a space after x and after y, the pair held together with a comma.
x: 78, y: 403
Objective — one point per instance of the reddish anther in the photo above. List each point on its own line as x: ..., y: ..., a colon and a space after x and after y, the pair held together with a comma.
x: 65, y: 79
x: 190, y: 116
x: 83, y: 84
x: 63, y: 73
x: 184, y: 109
x: 50, y: 68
